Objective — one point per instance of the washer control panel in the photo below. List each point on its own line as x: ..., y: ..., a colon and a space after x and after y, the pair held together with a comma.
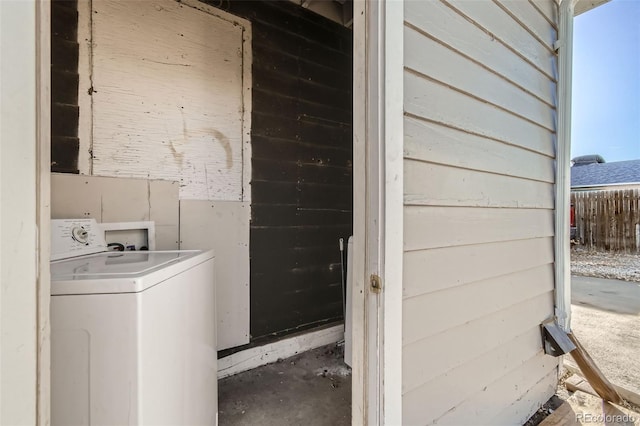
x: 76, y: 237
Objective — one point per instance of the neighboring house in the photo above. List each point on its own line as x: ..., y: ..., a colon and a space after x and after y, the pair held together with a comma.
x: 599, y: 175
x: 459, y: 132
x: 604, y: 201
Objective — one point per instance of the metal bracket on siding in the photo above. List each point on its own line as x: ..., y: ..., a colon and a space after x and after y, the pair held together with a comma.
x: 556, y: 341
x: 375, y: 283
x: 557, y: 45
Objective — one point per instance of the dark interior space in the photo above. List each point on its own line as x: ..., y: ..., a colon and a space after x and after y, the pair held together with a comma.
x: 64, y: 86
x: 302, y: 154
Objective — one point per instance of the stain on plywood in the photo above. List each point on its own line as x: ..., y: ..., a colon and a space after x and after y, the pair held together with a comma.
x: 155, y: 57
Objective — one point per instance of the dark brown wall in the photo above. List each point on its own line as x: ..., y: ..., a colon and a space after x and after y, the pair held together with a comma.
x: 64, y: 86
x: 302, y: 152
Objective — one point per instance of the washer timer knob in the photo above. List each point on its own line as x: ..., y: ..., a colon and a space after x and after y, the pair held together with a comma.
x: 79, y: 234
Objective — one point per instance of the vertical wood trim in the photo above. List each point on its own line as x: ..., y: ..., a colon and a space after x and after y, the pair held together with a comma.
x: 393, y: 226
x: 43, y: 208
x: 19, y: 261
x: 359, y: 391
x: 383, y: 133
x: 85, y: 87
x: 247, y: 96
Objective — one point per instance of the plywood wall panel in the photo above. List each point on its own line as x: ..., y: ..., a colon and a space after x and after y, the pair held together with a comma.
x: 223, y: 227
x: 168, y: 97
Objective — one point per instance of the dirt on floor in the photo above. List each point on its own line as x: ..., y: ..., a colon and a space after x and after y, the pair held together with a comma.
x: 313, y: 388
x: 605, y: 264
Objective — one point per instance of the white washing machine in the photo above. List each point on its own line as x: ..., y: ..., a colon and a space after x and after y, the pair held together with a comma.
x: 132, y: 333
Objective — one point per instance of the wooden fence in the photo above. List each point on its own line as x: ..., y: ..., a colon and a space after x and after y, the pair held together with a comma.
x: 608, y: 220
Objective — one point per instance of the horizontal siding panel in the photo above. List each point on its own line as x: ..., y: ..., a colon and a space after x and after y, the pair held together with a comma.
x: 490, y: 400
x: 442, y: 23
x: 465, y: 75
x: 528, y: 403
x: 428, y: 184
x: 442, y: 310
x: 461, y: 345
x: 549, y: 9
x: 432, y: 227
x: 430, y: 100
x: 494, y: 20
x: 532, y: 19
x: 470, y: 357
x: 447, y: 393
x: 436, y: 143
x: 427, y: 271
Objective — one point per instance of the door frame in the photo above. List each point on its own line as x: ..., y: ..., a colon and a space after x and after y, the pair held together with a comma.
x: 43, y: 209
x: 378, y: 211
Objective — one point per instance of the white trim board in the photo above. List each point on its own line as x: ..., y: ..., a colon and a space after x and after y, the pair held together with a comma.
x: 272, y: 352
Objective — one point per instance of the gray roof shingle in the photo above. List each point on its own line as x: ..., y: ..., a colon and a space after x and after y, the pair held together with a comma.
x: 597, y: 174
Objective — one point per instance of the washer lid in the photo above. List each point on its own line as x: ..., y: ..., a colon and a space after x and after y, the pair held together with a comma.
x: 120, y: 272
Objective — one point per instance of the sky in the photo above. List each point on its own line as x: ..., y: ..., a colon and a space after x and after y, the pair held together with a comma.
x: 606, y: 82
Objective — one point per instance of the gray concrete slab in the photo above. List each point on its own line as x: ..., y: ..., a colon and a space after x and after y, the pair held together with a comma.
x: 311, y: 389
x: 606, y: 320
x: 607, y: 295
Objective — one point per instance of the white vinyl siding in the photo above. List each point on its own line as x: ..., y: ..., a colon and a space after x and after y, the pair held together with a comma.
x: 480, y: 119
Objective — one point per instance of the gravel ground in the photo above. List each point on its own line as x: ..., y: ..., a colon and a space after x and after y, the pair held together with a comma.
x: 601, y: 264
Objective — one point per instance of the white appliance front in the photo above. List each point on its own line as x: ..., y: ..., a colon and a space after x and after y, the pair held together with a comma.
x: 134, y: 342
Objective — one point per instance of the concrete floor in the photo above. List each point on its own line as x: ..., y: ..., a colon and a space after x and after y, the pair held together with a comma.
x: 606, y: 320
x: 310, y: 389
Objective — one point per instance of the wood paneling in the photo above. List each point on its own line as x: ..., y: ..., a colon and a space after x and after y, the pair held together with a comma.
x: 608, y: 219
x: 301, y: 165
x: 428, y: 184
x: 223, y: 227
x: 118, y: 200
x: 440, y: 21
x: 442, y: 310
x: 481, y: 261
x: 463, y: 344
x: 433, y: 227
x: 479, y: 210
x: 64, y: 86
x: 434, y: 101
x: 166, y: 104
x: 470, y: 77
x: 509, y: 32
x: 529, y: 383
x: 436, y: 143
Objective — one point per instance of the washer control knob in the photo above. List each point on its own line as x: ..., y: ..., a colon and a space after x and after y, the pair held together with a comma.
x: 79, y: 234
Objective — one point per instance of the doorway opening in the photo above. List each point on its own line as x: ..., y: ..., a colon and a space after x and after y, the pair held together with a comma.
x: 278, y: 193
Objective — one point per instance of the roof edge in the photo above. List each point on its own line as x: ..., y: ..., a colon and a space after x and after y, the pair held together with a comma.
x: 583, y: 6
x: 602, y: 185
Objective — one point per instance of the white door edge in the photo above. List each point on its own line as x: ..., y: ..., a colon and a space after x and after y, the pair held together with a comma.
x: 378, y: 212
